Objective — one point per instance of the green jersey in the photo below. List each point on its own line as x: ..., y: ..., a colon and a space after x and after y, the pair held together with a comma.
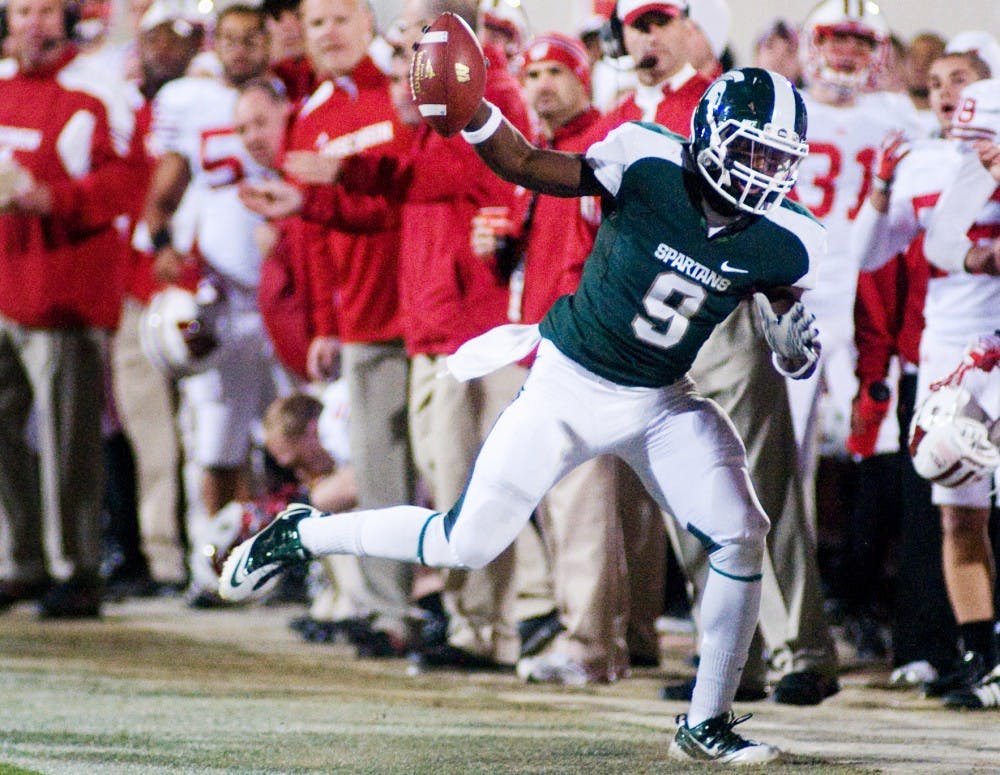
x: 657, y: 282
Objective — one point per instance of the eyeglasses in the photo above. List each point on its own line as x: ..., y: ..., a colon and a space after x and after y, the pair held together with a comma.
x: 250, y: 40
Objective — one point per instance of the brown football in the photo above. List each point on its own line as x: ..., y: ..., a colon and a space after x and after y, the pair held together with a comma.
x: 448, y: 74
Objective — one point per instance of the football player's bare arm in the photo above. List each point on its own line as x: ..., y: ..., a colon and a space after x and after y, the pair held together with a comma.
x: 983, y: 259
x: 170, y: 180
x: 513, y: 158
x: 989, y: 156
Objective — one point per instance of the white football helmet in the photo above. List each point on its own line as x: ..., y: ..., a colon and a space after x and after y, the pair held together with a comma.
x: 977, y: 116
x: 508, y: 18
x: 218, y: 535
x: 176, y: 333
x: 858, y: 17
x: 949, y: 442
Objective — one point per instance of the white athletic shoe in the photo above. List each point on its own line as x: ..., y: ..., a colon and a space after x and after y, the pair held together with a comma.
x: 715, y: 741
x: 553, y: 668
x: 913, y: 674
x: 253, y: 567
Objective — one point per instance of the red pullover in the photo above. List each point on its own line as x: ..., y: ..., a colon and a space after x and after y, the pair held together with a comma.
x: 66, y: 126
x: 354, y: 278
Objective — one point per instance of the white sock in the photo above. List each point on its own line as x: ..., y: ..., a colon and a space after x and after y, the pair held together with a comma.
x: 729, y: 611
x: 407, y: 533
x: 330, y: 534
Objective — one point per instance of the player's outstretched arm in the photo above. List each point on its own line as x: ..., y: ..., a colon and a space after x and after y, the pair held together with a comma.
x: 509, y: 154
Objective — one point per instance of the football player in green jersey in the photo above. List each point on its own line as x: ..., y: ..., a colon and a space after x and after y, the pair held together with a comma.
x: 695, y: 227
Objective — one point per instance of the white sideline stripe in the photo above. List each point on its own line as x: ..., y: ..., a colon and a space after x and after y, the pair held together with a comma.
x: 784, y: 102
x: 438, y: 36
x: 433, y: 110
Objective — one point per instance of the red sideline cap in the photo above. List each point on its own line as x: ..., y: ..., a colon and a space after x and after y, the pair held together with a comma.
x: 556, y: 47
x: 630, y: 10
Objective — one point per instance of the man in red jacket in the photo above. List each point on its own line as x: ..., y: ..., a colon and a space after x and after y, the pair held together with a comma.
x: 169, y: 37
x: 468, y: 292
x: 656, y: 37
x: 64, y: 136
x: 353, y: 277
x: 448, y: 295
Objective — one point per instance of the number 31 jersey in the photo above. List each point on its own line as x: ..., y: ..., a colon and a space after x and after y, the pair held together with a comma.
x: 835, y: 180
x: 657, y: 283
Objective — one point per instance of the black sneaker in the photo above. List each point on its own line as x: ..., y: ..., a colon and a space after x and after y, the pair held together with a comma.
x: 380, y: 645
x: 715, y: 741
x: 805, y: 687
x: 682, y: 692
x: 537, y: 632
x: 980, y: 696
x: 73, y: 599
x: 14, y: 592
x: 451, y: 657
x: 969, y: 671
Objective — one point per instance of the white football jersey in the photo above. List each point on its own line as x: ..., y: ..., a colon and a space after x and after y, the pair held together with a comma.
x: 835, y: 179
x: 962, y: 305
x: 193, y: 117
x: 958, y: 305
x: 920, y: 177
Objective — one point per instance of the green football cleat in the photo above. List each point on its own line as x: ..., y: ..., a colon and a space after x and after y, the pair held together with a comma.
x: 253, y: 567
x: 715, y: 741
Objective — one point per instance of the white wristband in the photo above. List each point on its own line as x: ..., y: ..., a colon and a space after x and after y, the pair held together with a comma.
x: 803, y: 371
x: 487, y: 130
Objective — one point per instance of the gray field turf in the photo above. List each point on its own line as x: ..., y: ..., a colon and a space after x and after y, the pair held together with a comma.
x: 155, y: 688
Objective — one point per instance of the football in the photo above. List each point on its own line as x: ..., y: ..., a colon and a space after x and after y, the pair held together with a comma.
x: 448, y: 74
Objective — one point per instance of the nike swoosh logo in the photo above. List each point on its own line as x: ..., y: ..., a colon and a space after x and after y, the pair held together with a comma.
x: 237, y: 578
x: 726, y: 267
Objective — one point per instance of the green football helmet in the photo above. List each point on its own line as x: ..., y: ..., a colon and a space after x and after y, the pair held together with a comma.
x: 748, y: 137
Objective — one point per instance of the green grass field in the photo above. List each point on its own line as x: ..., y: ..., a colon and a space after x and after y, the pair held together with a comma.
x: 155, y: 688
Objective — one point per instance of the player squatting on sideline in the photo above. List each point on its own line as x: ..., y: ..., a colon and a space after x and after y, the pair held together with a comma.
x: 610, y: 376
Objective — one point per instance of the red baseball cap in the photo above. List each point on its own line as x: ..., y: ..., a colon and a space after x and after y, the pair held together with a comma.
x: 630, y: 10
x: 556, y: 47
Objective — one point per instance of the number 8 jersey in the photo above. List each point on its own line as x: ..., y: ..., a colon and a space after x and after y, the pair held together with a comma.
x: 658, y: 279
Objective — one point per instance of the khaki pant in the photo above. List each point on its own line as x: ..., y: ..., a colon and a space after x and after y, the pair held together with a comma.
x: 145, y: 402
x: 606, y: 549
x: 734, y: 369
x: 377, y: 377
x: 449, y: 420
x: 52, y: 500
